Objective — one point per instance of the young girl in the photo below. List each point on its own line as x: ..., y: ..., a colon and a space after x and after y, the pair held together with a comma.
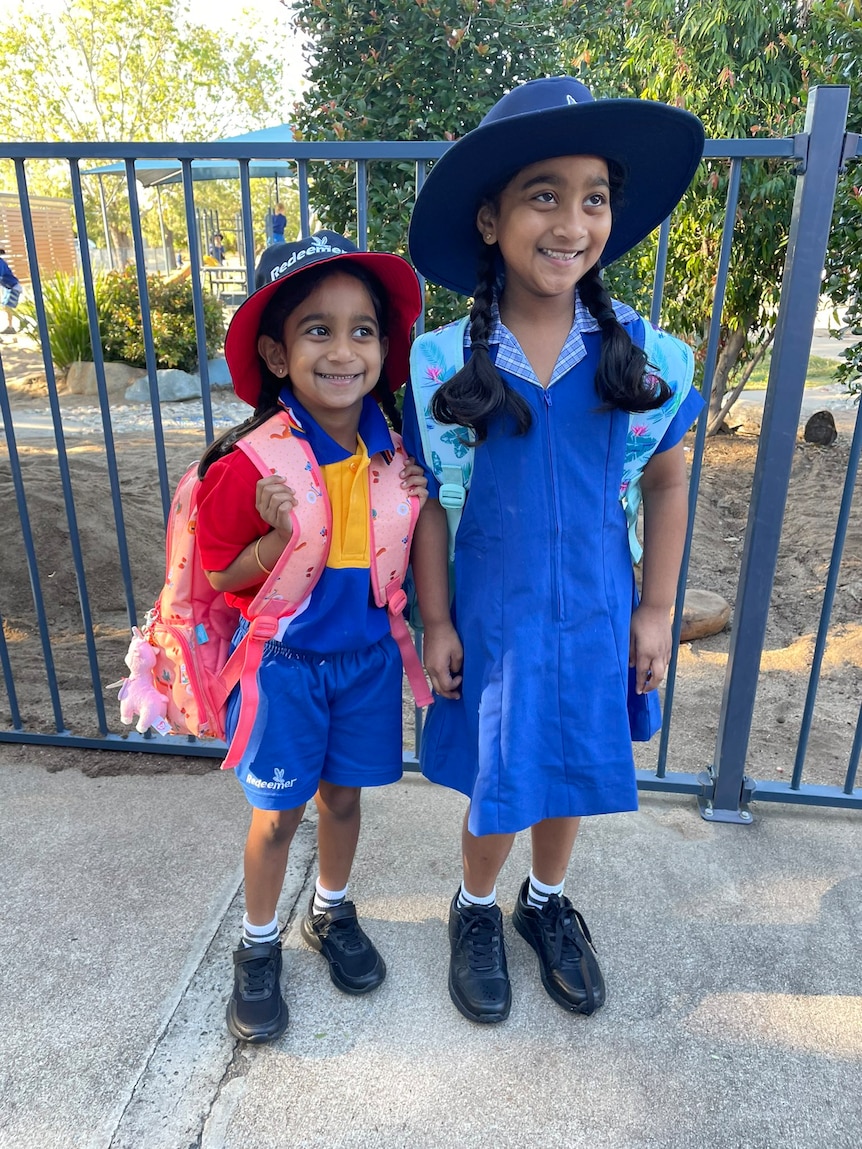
x: 536, y: 706
x: 326, y: 333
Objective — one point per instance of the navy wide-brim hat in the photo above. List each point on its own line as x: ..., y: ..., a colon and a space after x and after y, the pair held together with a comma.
x: 279, y: 263
x: 656, y: 146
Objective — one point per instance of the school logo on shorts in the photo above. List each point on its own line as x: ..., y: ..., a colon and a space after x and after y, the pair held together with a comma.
x: 279, y: 782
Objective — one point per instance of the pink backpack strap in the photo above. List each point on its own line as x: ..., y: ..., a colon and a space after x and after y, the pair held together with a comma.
x: 274, y: 449
x: 393, y: 520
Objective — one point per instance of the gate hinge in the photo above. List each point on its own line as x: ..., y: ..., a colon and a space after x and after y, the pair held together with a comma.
x: 848, y: 151
x: 710, y: 813
x: 801, y: 142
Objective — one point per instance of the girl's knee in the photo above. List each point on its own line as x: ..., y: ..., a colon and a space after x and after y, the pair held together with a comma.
x: 276, y: 827
x: 338, y: 801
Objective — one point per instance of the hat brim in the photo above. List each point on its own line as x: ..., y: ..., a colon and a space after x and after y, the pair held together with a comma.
x: 657, y: 146
x: 404, y: 297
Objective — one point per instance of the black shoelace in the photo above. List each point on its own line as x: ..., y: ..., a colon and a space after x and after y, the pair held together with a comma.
x: 479, y: 933
x: 345, y: 934
x: 566, y: 930
x: 257, y: 978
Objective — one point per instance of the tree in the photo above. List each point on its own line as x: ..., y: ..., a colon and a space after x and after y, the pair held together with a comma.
x: 410, y: 70
x: 128, y: 70
x: 745, y: 70
x: 839, y: 25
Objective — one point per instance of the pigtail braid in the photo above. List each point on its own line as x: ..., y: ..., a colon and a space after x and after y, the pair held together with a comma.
x: 388, y: 405
x: 477, y: 393
x: 267, y: 405
x: 621, y: 376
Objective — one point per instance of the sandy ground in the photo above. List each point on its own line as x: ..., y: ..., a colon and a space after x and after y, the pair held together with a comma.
x: 722, y: 505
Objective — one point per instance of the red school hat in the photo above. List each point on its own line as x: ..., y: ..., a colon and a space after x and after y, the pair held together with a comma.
x: 279, y: 262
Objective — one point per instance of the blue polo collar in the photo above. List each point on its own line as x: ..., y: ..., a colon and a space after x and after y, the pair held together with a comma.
x: 373, y: 430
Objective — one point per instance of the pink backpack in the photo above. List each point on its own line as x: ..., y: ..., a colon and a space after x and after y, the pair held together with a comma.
x: 191, y: 624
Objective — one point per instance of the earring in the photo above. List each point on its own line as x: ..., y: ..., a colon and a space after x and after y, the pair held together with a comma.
x: 489, y: 238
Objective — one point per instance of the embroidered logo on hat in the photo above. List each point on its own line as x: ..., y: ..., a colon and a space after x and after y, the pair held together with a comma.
x: 320, y: 246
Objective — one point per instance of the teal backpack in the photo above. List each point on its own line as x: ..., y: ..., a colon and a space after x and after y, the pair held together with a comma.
x: 437, y: 355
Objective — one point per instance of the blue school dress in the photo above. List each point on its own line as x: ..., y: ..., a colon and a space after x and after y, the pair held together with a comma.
x: 544, y: 592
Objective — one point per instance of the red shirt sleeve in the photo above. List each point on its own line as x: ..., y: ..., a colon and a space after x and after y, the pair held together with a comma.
x: 227, y: 519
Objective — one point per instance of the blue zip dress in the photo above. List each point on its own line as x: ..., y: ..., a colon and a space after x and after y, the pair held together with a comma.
x: 544, y: 592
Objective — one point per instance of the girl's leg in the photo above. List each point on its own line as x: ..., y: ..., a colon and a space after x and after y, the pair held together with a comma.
x: 548, y: 921
x: 553, y: 841
x: 478, y: 975
x: 256, y: 1011
x: 483, y: 859
x: 331, y: 925
x: 338, y: 820
x: 266, y: 850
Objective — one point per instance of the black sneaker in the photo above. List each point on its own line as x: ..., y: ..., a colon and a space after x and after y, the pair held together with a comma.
x: 567, y: 956
x: 478, y: 977
x: 355, y: 966
x: 256, y: 1011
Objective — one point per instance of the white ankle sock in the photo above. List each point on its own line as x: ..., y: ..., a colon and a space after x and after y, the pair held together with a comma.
x: 538, y: 892
x: 326, y: 899
x: 465, y: 898
x: 253, y: 935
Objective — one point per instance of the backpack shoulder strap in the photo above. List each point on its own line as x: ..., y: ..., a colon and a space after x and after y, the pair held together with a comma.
x: 434, y: 358
x: 673, y: 361
x: 274, y: 449
x: 393, y: 520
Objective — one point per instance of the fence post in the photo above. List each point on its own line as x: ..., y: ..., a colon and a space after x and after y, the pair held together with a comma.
x: 726, y: 788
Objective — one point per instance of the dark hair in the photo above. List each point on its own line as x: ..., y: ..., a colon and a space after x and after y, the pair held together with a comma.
x: 477, y: 393
x: 295, y: 290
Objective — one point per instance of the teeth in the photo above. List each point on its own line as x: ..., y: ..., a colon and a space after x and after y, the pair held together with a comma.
x: 560, y: 254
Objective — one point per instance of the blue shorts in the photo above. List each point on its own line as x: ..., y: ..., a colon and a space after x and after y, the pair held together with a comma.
x: 330, y: 716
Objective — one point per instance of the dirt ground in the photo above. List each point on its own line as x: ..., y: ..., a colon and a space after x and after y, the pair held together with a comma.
x: 722, y: 506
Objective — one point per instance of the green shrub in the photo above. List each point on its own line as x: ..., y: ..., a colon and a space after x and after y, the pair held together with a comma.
x: 66, y: 314
x: 172, y: 316
x: 120, y: 325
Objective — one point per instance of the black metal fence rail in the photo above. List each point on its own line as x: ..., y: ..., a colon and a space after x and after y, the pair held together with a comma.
x: 723, y: 788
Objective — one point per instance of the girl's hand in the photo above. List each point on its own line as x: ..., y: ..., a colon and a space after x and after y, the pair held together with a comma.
x: 649, y: 646
x: 443, y: 656
x: 415, y: 481
x: 274, y: 501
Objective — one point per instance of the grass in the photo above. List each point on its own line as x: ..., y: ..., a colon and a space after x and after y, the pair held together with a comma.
x: 820, y: 372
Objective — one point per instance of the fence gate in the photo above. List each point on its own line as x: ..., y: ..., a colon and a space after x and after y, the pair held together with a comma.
x: 73, y: 584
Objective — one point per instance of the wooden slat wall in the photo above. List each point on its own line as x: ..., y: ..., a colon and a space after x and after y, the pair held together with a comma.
x: 55, y: 240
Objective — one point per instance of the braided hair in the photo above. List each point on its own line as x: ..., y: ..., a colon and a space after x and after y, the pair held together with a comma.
x: 477, y: 393
x: 622, y: 380
x: 283, y: 302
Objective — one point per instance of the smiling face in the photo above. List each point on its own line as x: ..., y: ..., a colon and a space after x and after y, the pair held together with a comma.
x: 551, y: 221
x: 331, y: 351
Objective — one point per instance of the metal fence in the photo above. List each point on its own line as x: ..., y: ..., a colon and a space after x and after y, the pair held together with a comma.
x: 723, y: 787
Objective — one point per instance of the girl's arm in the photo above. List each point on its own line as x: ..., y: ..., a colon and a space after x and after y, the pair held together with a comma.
x: 442, y: 651
x: 664, y: 486
x: 274, y: 501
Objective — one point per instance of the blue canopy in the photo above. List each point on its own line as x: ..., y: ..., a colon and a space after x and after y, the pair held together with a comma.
x: 161, y: 172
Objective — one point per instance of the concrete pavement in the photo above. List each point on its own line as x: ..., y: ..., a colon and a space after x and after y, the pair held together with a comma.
x: 731, y: 954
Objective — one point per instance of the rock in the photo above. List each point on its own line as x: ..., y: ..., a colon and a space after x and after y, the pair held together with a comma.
x: 703, y: 613
x: 173, y: 386
x: 820, y: 429
x: 81, y: 378
x: 218, y: 373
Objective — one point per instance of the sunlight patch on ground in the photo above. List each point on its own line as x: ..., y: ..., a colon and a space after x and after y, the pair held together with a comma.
x: 843, y: 648
x: 783, y: 901
x: 830, y: 1025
